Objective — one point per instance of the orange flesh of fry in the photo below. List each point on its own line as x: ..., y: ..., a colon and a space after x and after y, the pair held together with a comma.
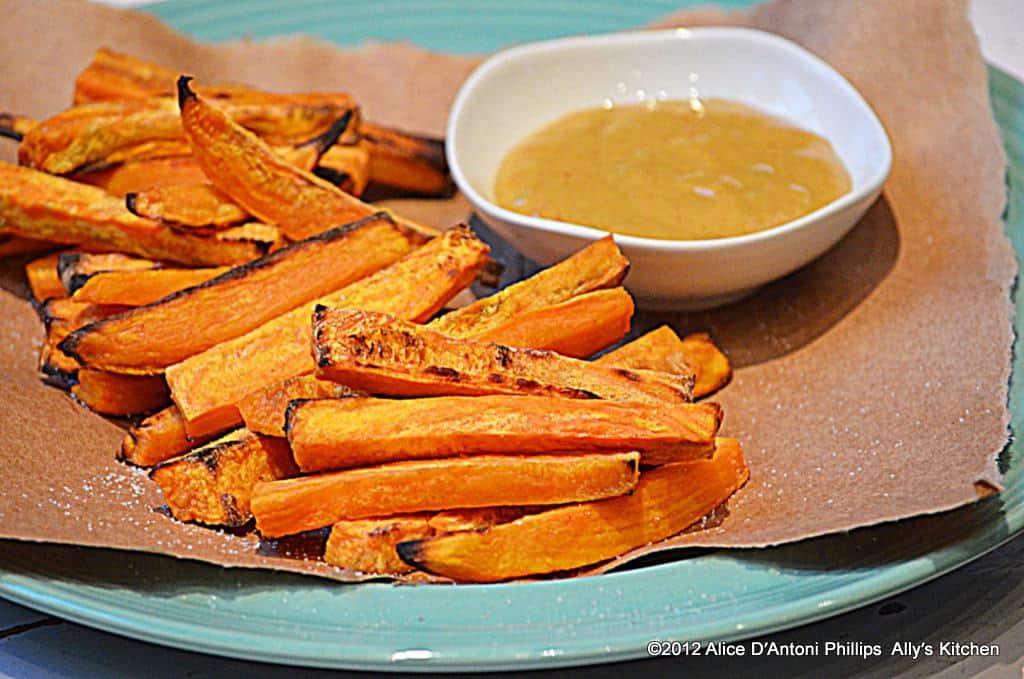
x: 296, y: 505
x: 242, y: 166
x: 43, y: 278
x: 263, y: 410
x: 136, y: 288
x: 380, y: 354
x: 39, y: 206
x: 188, y: 205
x: 666, y: 501
x: 147, y: 339
x: 600, y: 265
x: 335, y: 434
x: 144, y: 175
x: 578, y: 327
x: 208, y: 386
x: 113, y: 394
x: 213, y: 485
x: 661, y: 349
x: 159, y: 437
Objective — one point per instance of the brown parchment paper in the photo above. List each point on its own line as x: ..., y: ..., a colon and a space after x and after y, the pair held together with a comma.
x: 871, y: 385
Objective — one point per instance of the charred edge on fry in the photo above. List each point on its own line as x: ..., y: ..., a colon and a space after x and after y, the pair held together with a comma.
x: 428, y: 149
x: 327, y: 139
x: 56, y: 377
x: 442, y: 371
x: 411, y: 552
x: 66, y: 271
x: 70, y: 343
x: 7, y: 127
x: 336, y: 177
x: 129, y: 202
x: 289, y: 413
x: 184, y: 91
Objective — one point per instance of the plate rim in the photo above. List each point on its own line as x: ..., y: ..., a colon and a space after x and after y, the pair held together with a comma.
x: 58, y: 598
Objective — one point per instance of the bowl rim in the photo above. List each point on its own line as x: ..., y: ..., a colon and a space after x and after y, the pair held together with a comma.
x: 870, y: 190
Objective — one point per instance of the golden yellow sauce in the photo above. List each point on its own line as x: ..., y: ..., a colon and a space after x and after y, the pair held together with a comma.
x: 685, y: 170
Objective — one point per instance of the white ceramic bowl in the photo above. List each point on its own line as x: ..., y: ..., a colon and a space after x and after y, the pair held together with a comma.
x: 519, y: 90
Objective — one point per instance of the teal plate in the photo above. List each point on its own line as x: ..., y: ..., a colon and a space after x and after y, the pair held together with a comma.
x: 282, y: 618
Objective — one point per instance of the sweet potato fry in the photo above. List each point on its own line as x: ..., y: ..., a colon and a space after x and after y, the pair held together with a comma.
x: 116, y: 76
x: 17, y: 245
x: 207, y: 387
x: 263, y: 410
x: 600, y: 265
x: 147, y: 339
x: 242, y: 166
x: 159, y: 437
x: 579, y: 327
x: 138, y: 288
x: 413, y: 164
x: 43, y: 278
x: 213, y: 484
x: 144, y: 175
x: 666, y: 501
x: 368, y: 545
x: 380, y: 354
x: 661, y: 349
x: 187, y: 205
x: 39, y: 206
x: 340, y: 433
x: 76, y: 268
x: 113, y: 394
x: 305, y: 503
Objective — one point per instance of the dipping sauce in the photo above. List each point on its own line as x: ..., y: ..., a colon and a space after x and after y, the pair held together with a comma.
x: 679, y: 170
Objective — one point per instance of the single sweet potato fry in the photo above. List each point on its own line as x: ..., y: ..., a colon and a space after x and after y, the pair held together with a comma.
x: 341, y: 433
x: 114, y: 394
x: 43, y: 278
x: 147, y: 339
x: 666, y: 501
x: 75, y: 268
x: 137, y: 288
x: 380, y: 354
x: 263, y: 409
x: 412, y: 164
x: 661, y: 349
x: 187, y: 205
x: 213, y: 484
x: 208, y: 386
x: 242, y: 166
x: 39, y: 206
x: 579, y: 327
x: 296, y: 505
x: 368, y: 545
x: 600, y: 265
x: 159, y: 437
x: 144, y: 175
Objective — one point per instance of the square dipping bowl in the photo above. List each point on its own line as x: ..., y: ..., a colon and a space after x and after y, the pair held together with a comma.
x: 522, y: 89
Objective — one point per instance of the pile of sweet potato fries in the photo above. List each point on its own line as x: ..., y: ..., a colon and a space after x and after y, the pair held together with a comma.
x: 223, y: 280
